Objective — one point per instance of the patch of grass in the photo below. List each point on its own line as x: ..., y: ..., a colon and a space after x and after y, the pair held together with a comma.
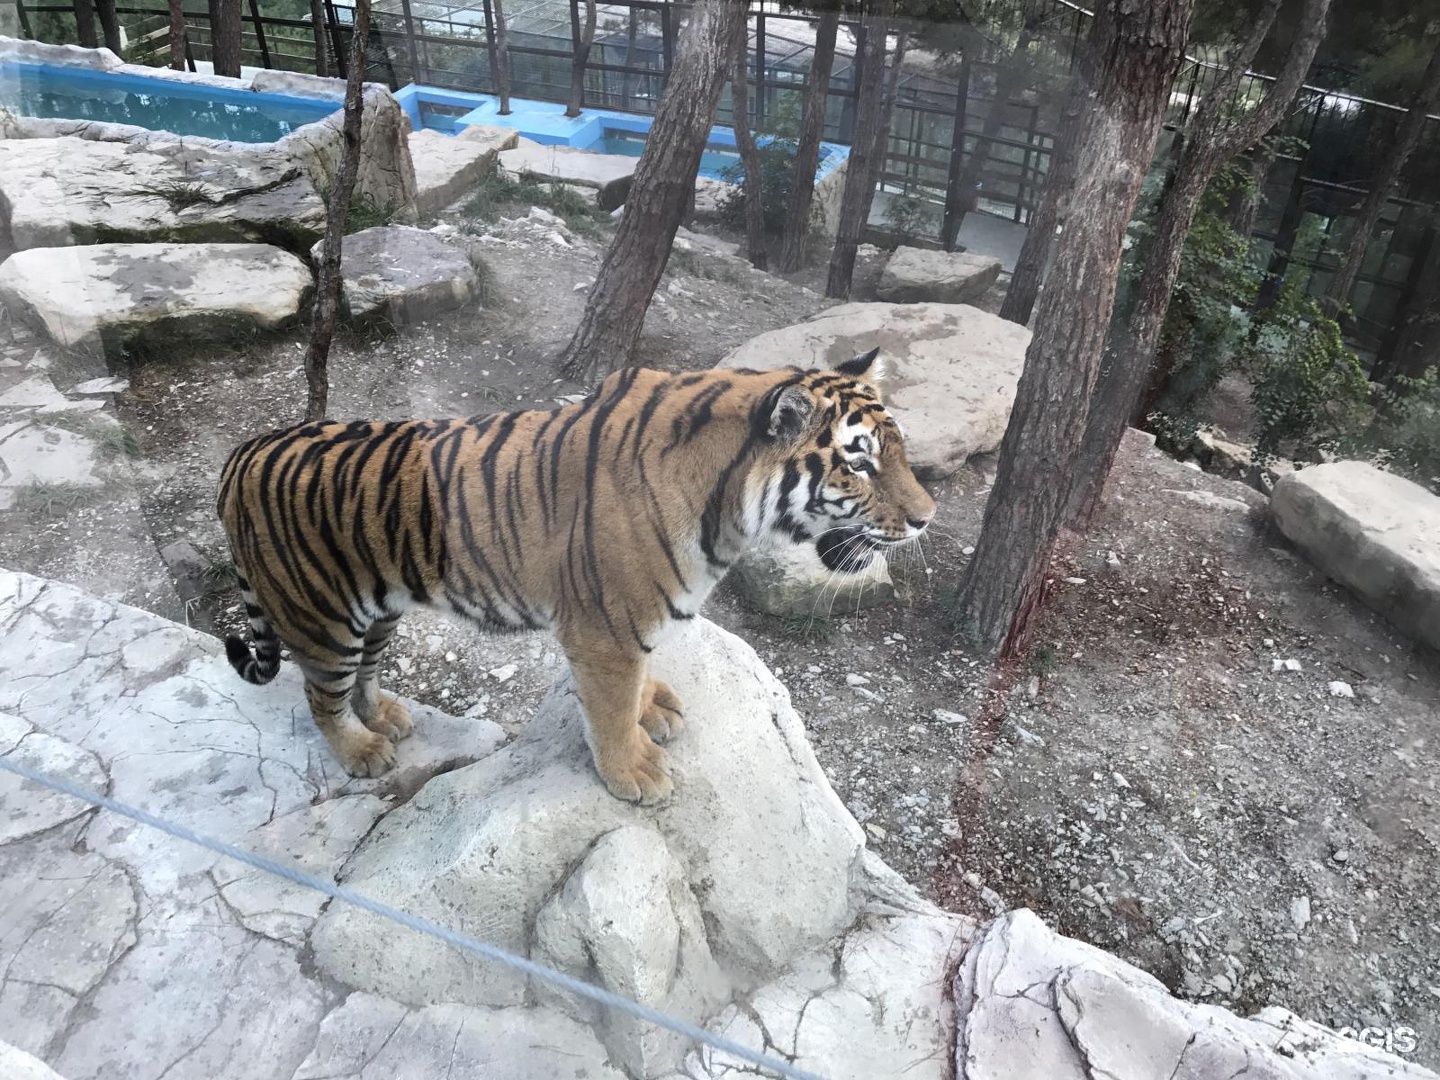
x: 219, y: 576
x: 1043, y: 661
x: 706, y: 267
x: 366, y: 213
x: 110, y: 438
x: 54, y: 499
x: 500, y: 192
x: 182, y: 193
x: 805, y: 627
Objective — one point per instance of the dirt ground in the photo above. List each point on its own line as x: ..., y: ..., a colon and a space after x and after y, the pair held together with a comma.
x: 1155, y: 786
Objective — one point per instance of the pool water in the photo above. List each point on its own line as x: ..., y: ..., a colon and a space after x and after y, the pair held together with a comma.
x: 713, y: 161
x: 157, y: 104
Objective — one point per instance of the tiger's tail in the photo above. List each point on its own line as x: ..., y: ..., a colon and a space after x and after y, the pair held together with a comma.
x: 260, y: 666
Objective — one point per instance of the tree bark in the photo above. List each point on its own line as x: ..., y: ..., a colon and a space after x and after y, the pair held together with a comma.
x: 322, y: 45
x: 865, y: 147
x: 1337, y: 294
x: 1244, y: 204
x: 1136, y: 50
x: 85, y: 24
x: 630, y: 34
x: 327, y: 285
x: 1029, y: 269
x: 225, y: 37
x: 110, y: 23
x: 955, y: 170
x: 662, y: 187
x: 1417, y: 332
x: 807, y: 151
x: 1215, y: 138
x: 178, y: 43
x: 502, y: 57
x: 749, y: 152
x: 582, y: 57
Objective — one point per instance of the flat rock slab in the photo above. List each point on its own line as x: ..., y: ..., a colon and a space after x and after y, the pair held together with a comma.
x: 1032, y: 1003
x: 400, y: 274
x: 62, y: 191
x: 448, y: 166
x: 1374, y: 532
x: 792, y: 582
x: 111, y: 295
x: 950, y: 370
x: 609, y: 173
x: 35, y: 457
x: 919, y: 276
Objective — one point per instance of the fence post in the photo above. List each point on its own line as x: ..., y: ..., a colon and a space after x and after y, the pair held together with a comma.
x: 667, y: 54
x: 410, y: 41
x: 490, y: 46
x: 24, y: 19
x: 759, y: 114
x: 259, y: 32
x: 341, y: 58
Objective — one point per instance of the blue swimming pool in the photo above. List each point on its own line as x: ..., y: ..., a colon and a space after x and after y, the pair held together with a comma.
x: 158, y: 104
x: 713, y: 162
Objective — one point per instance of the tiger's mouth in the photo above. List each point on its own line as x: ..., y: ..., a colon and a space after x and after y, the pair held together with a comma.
x: 848, y: 550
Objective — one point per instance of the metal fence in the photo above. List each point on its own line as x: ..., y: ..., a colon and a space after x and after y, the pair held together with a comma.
x: 452, y: 44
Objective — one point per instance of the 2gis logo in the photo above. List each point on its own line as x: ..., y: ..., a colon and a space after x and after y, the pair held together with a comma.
x: 1396, y: 1040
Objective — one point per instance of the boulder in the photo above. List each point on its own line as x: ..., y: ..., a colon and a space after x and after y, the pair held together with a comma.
x: 920, y: 276
x: 110, y: 295
x: 1031, y: 1003
x: 528, y: 850
x: 1376, y: 533
x: 68, y: 190
x: 386, y: 177
x: 400, y: 274
x: 790, y: 580
x: 950, y: 371
x: 17, y: 1065
x: 447, y: 166
x: 609, y: 174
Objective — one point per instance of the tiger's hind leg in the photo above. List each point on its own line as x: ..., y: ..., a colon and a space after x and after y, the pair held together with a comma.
x: 361, y: 751
x: 379, y: 712
x: 611, y: 683
x: 661, y: 713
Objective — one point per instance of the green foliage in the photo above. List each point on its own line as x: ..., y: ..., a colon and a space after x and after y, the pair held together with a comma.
x: 366, y: 213
x: 777, y: 178
x: 1405, y: 432
x: 907, y: 219
x: 499, y: 193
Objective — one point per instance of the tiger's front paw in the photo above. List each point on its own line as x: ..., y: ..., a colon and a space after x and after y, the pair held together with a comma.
x: 391, y: 720
x: 661, y: 715
x: 366, y: 754
x: 640, y: 773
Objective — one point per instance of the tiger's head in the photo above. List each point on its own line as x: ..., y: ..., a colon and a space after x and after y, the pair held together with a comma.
x: 838, y: 475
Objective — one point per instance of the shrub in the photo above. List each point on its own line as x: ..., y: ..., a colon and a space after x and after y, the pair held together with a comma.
x: 906, y: 220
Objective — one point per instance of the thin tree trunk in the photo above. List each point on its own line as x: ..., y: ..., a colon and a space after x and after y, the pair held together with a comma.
x: 807, y: 150
x: 322, y: 44
x: 1337, y: 294
x: 630, y: 34
x: 327, y: 285
x: 749, y: 152
x: 85, y: 23
x: 582, y: 57
x: 1417, y: 333
x: 1244, y: 204
x: 955, y: 171
x: 502, y: 58
x: 1214, y: 140
x: 865, y: 146
x: 1134, y: 53
x: 225, y: 37
x: 662, y: 187
x: 110, y: 23
x: 1054, y: 201
x: 178, y: 44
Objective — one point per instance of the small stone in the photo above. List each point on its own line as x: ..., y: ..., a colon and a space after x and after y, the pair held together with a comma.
x: 451, y: 657
x: 1120, y: 780
x: 1269, y: 643
x: 876, y: 831
x: 1300, y: 912
x: 1277, y: 665
x: 853, y: 679
x: 1341, y: 856
x: 945, y: 716
x: 107, y: 385
x: 1032, y: 688
x: 1341, y: 689
x: 404, y: 663
x: 505, y: 673
x: 1029, y: 738
x: 1293, y: 665
x: 968, y: 549
x: 1112, y: 560
x: 1074, y: 581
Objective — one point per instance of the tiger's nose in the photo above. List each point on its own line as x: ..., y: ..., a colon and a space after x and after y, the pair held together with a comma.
x: 916, y: 526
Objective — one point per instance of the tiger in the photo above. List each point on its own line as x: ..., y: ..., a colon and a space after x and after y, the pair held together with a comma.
x: 605, y: 521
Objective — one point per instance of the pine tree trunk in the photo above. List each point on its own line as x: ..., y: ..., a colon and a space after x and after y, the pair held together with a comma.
x: 807, y: 151
x: 502, y: 57
x: 662, y: 187
x: 749, y: 153
x: 582, y: 57
x: 1054, y: 199
x: 1244, y: 203
x: 630, y: 34
x: 110, y: 23
x: 178, y: 43
x: 1214, y: 140
x: 322, y: 42
x: 1337, y: 294
x: 327, y: 285
x: 1136, y: 51
x: 865, y: 147
x: 225, y: 37
x: 1417, y: 334
x: 85, y: 23
x: 955, y: 170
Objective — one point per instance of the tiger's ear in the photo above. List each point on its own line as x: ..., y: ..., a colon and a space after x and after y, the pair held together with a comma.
x: 787, y: 412
x: 865, y: 367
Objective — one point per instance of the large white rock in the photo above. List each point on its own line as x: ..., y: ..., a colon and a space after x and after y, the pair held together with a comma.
x: 609, y: 174
x: 447, y: 166
x: 765, y: 846
x: 107, y: 295
x: 1376, y: 533
x: 790, y: 580
x: 400, y: 274
x: 950, y: 378
x: 71, y: 190
x: 17, y: 1065
x: 920, y: 276
x: 1032, y: 1003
